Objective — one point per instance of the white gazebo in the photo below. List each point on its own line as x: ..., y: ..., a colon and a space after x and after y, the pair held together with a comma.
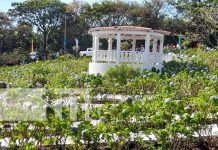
x: 148, y: 55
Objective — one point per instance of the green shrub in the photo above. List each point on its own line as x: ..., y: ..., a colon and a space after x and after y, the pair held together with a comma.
x: 121, y: 74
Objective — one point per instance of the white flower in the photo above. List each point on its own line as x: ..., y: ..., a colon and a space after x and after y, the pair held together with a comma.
x: 86, y: 84
x: 150, y: 98
x: 84, y: 131
x: 167, y: 100
x: 213, y: 98
x: 117, y: 84
x: 138, y: 97
x: 173, y: 75
x: 77, y: 78
x: 35, y: 107
x: 39, y: 85
x: 145, y: 76
x: 149, y: 74
x: 27, y: 105
x: 57, y: 104
x: 171, y: 84
x: 128, y: 98
x: 43, y: 115
x: 104, y: 96
x: 187, y: 108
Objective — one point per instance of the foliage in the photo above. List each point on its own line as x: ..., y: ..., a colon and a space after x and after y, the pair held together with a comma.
x: 46, y: 15
x: 152, y: 13
x: 14, y: 38
x: 107, y: 13
x: 49, y: 72
x: 174, y: 108
x: 203, y: 17
x: 121, y: 74
x: 14, y: 58
x: 5, y: 21
x: 171, y: 109
x: 125, y: 45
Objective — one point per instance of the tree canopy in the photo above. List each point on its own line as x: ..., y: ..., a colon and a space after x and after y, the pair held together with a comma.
x: 107, y: 13
x: 45, y: 15
x: 202, y: 15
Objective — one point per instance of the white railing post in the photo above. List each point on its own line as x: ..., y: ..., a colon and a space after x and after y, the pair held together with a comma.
x: 118, y: 48
x: 133, y: 44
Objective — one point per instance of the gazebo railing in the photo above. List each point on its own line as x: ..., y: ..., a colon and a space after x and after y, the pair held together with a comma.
x: 127, y: 56
x: 132, y: 56
x: 104, y: 55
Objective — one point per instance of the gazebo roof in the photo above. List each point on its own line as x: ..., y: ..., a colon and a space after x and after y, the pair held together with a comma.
x: 128, y: 28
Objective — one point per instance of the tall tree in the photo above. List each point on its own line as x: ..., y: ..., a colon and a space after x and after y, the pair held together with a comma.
x: 23, y: 33
x: 45, y: 15
x: 202, y: 15
x: 5, y: 25
x: 107, y: 13
x: 152, y: 13
x: 77, y: 25
x: 5, y: 21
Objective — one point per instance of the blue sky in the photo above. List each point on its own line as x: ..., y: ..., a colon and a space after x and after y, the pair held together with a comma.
x: 6, y: 4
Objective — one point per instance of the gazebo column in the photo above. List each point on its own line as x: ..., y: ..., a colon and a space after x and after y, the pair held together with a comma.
x: 147, y: 47
x: 133, y: 54
x: 147, y: 44
x: 97, y: 42
x: 95, y: 46
x: 110, y: 40
x: 161, y: 44
x: 110, y: 48
x: 118, y: 48
x: 155, y: 44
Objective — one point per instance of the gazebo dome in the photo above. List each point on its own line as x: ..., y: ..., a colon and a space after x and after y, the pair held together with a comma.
x: 148, y: 56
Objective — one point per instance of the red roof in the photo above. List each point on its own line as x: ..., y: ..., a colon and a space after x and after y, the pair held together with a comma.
x: 127, y: 28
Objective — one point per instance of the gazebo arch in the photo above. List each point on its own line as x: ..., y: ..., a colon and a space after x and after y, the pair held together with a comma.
x: 151, y: 55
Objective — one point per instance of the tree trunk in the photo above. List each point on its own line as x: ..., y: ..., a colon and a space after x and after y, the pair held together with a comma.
x: 1, y: 47
x: 45, y: 40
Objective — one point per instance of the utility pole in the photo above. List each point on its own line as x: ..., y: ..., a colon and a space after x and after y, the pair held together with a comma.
x: 32, y: 48
x: 65, y: 33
